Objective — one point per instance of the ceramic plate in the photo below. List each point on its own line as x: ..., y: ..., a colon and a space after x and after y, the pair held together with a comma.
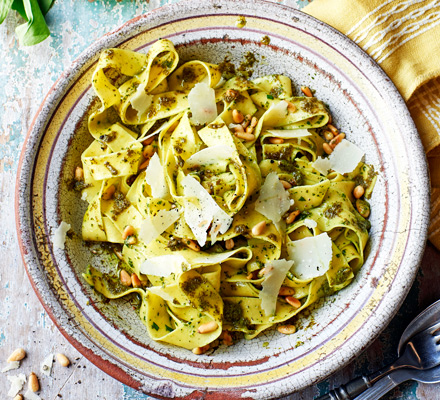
x: 366, y: 106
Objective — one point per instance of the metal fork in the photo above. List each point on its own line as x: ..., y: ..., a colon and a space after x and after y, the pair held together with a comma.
x: 422, y: 351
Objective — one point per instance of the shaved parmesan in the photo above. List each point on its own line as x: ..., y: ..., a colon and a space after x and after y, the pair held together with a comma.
x: 289, y: 133
x: 155, y: 177
x: 311, y: 256
x: 310, y: 223
x: 345, y: 158
x: 158, y: 291
x: 201, y: 210
x: 210, y: 155
x: 11, y: 365
x: 155, y: 225
x: 164, y: 265
x: 273, y: 279
x: 201, y: 99
x: 141, y: 101
x: 59, y: 236
x: 17, y: 382
x: 276, y: 113
x: 46, y: 365
x: 30, y: 395
x: 274, y: 200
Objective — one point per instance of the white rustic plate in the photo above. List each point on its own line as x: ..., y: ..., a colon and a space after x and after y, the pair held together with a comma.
x: 366, y: 106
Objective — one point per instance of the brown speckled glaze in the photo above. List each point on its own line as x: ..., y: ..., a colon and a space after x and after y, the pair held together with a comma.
x: 366, y: 106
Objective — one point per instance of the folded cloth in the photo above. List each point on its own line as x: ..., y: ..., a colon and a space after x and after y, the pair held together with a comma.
x: 403, y: 36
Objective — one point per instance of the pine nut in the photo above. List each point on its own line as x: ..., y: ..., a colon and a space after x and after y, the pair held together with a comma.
x: 238, y: 129
x: 135, y: 281
x: 275, y: 140
x: 79, y: 174
x: 327, y: 148
x: 131, y: 240
x: 332, y: 128
x: 363, y: 208
x: 128, y: 231
x: 227, y: 338
x: 249, y: 130
x: 286, y: 291
x: 125, y: 277
x: 259, y: 228
x: 145, y: 164
x: 306, y: 90
x: 254, y: 122
x: 148, y: 151
x: 18, y: 397
x: 118, y: 254
x: 264, y: 271
x: 109, y: 192
x: 208, y: 327
x: 358, y: 191
x: 286, y: 185
x: 292, y: 216
x: 201, y: 350
x: 17, y: 355
x: 148, y: 141
x: 291, y: 107
x: 63, y: 360
x: 250, y: 276
x: 245, y: 136
x: 229, y: 244
x: 231, y: 95
x: 336, y: 140
x: 328, y: 135
x: 247, y: 120
x: 294, y: 302
x: 286, y: 329
x: 34, y: 385
x: 237, y: 116
x: 193, y: 245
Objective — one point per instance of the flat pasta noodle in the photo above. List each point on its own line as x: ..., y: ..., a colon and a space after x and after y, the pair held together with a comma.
x: 150, y: 166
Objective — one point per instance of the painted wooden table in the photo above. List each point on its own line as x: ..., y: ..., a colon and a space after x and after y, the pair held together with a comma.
x: 26, y: 74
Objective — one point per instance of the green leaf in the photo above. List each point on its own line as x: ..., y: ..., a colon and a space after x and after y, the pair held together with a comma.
x: 35, y: 29
x: 45, y: 5
x: 18, y: 6
x: 5, y: 6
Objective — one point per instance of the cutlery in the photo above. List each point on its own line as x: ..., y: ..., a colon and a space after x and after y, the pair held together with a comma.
x: 420, y: 361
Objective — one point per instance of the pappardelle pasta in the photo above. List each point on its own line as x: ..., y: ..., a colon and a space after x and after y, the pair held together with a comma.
x: 232, y: 203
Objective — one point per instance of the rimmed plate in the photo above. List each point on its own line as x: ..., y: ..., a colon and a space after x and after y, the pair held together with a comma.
x: 365, y: 105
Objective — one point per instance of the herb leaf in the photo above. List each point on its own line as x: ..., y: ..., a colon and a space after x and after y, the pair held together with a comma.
x: 5, y: 6
x: 35, y: 29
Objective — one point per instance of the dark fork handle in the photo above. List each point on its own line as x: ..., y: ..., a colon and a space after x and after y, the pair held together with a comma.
x: 348, y: 391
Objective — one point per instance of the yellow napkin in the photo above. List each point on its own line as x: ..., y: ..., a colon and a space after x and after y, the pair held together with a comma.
x: 403, y: 36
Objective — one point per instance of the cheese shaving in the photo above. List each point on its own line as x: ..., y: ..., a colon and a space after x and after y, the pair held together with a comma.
x: 164, y: 265
x: 59, y: 236
x: 310, y: 223
x: 201, y: 210
x: 276, y: 113
x: 11, y: 365
x: 46, y: 365
x: 201, y: 99
x: 17, y: 383
x: 273, y: 201
x: 158, y: 291
x: 155, y: 225
x: 289, y: 133
x: 141, y: 101
x: 210, y: 155
x: 30, y: 395
x: 311, y: 256
x: 273, y: 279
x: 155, y: 177
x: 345, y: 158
